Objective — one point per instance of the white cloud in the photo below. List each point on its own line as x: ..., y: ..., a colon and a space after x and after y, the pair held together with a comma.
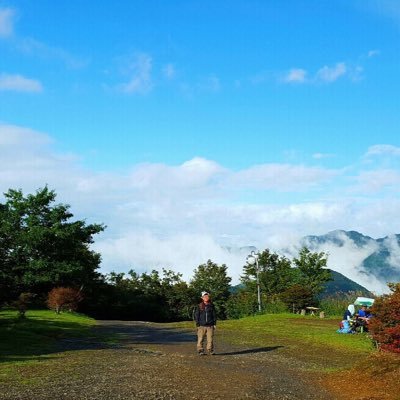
x: 387, y: 8
x: 193, y: 174
x: 347, y: 259
x: 26, y: 159
x: 169, y: 71
x: 30, y: 46
x: 394, y: 248
x: 326, y: 74
x: 7, y: 16
x: 296, y: 75
x: 383, y: 150
x: 320, y: 156
x: 355, y: 73
x: 178, y: 216
x: 12, y: 135
x: 140, y: 82
x: 373, y: 53
x: 378, y: 180
x: 34, y: 47
x: 282, y: 177
x: 18, y: 83
x: 144, y: 251
x: 331, y: 74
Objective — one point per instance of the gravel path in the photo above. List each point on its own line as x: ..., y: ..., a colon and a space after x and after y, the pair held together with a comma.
x: 152, y: 361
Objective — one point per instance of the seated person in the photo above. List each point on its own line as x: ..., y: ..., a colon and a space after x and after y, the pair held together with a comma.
x: 363, y: 317
x: 348, y: 314
x: 347, y: 323
x: 364, y: 313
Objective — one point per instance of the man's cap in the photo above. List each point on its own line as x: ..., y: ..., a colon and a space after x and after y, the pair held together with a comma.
x: 204, y: 293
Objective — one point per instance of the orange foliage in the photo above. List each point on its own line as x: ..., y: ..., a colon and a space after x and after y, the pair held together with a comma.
x: 64, y: 298
x: 385, y: 325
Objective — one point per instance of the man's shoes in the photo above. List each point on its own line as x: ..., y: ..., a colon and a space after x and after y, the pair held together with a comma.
x: 202, y: 353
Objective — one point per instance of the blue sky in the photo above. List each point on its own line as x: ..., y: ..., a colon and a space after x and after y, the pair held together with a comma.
x: 214, y: 122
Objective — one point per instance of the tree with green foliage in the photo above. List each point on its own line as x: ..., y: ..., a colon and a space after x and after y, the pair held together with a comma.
x: 214, y: 279
x: 132, y: 296
x: 313, y: 273
x: 42, y: 247
x: 179, y: 296
x: 241, y: 304
x: 275, y: 273
x: 287, y: 280
x: 150, y: 296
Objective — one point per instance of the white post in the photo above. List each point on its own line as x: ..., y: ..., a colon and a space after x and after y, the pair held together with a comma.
x: 252, y: 259
x: 258, y: 286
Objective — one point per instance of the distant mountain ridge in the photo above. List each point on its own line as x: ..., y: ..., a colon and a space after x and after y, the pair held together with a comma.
x: 336, y: 237
x: 363, y: 260
x: 338, y: 284
x: 368, y: 259
x: 342, y: 284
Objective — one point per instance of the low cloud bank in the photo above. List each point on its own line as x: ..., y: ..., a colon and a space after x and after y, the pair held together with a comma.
x: 179, y: 216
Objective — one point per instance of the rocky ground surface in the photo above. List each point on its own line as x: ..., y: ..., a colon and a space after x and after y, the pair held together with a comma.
x: 154, y: 362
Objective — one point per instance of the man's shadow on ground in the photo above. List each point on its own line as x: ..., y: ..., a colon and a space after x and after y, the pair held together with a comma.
x: 250, y: 351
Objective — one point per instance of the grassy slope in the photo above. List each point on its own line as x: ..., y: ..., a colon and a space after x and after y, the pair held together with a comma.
x: 309, y: 340
x: 30, y: 338
x: 306, y: 331
x: 312, y: 344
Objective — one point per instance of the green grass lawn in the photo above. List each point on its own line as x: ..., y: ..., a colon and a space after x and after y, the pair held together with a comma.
x: 307, y: 331
x: 306, y: 339
x: 35, y: 336
x: 28, y: 347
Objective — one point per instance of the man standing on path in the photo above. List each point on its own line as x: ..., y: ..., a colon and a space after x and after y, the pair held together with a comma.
x: 206, y: 320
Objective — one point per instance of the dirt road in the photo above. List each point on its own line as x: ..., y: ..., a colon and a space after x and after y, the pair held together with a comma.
x: 152, y: 361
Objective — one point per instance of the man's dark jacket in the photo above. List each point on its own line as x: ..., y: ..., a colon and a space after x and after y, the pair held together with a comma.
x: 205, y: 315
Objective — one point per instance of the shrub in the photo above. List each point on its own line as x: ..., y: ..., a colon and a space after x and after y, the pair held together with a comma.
x: 64, y: 298
x: 385, y: 324
x: 297, y: 297
x: 336, y: 305
x: 274, y: 305
x: 241, y: 304
x: 22, y: 303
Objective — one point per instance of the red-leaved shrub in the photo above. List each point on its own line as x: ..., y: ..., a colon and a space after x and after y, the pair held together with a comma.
x: 64, y: 298
x: 385, y: 324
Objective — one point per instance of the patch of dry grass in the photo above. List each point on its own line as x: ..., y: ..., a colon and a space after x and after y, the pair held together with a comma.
x: 377, y: 377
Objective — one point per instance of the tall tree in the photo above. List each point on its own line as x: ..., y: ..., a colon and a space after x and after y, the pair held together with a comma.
x: 214, y: 279
x: 150, y: 296
x: 41, y: 246
x: 275, y: 273
x: 312, y: 269
x: 179, y: 296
